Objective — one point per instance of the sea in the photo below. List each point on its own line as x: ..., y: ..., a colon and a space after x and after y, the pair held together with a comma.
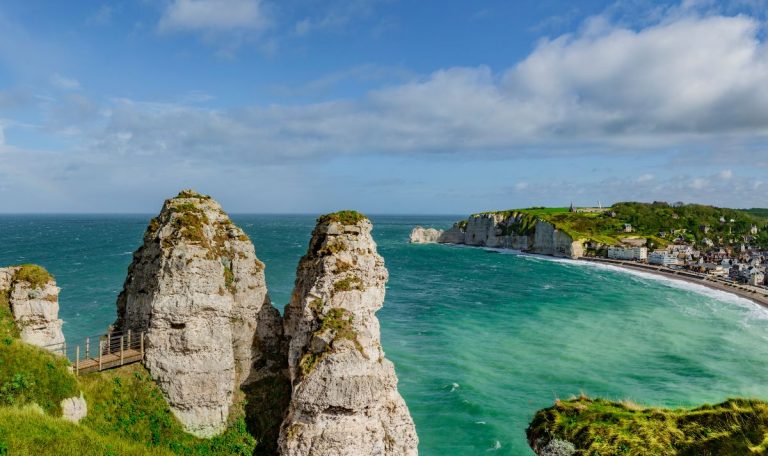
x: 481, y: 339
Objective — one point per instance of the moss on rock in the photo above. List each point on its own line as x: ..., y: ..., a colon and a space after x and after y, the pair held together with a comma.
x: 36, y: 276
x: 344, y: 217
x: 601, y: 427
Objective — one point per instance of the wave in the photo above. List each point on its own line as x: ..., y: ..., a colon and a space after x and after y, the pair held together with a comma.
x: 756, y: 311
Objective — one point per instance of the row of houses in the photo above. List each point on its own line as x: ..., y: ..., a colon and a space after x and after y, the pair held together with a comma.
x: 748, y: 267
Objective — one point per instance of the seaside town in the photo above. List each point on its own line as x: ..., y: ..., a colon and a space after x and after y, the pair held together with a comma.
x: 704, y: 255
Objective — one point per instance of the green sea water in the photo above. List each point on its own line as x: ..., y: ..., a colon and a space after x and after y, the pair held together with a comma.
x: 480, y: 339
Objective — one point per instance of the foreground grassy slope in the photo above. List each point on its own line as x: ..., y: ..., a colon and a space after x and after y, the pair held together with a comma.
x: 127, y: 414
x: 598, y: 427
x: 28, y: 431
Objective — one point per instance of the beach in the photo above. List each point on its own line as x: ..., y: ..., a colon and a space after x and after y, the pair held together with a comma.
x: 757, y: 295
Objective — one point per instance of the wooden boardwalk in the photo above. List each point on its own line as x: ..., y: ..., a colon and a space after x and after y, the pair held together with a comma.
x: 112, y: 350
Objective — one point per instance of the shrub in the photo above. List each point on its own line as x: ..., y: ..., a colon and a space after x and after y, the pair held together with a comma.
x: 30, y: 374
x: 343, y: 217
x: 36, y: 276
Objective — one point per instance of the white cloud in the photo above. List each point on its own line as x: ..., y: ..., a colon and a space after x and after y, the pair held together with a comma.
x: 645, y: 178
x: 65, y: 83
x: 725, y: 174
x: 213, y: 15
x: 605, y: 89
x: 698, y: 183
x: 521, y: 185
x: 336, y: 14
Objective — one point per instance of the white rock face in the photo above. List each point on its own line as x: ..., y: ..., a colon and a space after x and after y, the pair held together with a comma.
x: 35, y: 307
x: 198, y: 291
x: 454, y: 235
x: 74, y: 409
x: 344, y: 400
x: 498, y: 230
x: 421, y: 235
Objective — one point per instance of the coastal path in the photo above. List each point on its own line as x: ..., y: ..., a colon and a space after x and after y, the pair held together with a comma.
x: 109, y: 351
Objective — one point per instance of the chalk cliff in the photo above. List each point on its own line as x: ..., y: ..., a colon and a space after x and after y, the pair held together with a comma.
x: 33, y: 298
x: 197, y: 289
x: 421, y: 235
x: 344, y: 391
x: 513, y: 230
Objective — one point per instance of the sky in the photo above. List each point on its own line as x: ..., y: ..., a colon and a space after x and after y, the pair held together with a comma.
x: 384, y: 106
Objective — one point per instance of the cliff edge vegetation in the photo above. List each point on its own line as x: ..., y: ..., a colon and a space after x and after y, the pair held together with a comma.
x: 693, y: 222
x: 127, y: 414
x: 592, y: 427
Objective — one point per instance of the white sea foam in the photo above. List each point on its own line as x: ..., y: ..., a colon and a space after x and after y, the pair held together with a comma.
x: 454, y: 387
x: 755, y: 311
x: 495, y: 446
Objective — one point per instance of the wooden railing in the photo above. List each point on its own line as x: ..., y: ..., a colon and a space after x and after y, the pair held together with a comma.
x: 102, y: 352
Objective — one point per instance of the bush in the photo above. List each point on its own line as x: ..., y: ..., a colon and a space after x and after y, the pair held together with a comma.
x: 29, y: 374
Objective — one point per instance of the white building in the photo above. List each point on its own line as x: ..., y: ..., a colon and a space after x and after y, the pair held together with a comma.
x: 628, y: 253
x: 663, y: 257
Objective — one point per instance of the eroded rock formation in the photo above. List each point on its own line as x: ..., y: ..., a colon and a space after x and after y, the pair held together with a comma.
x: 344, y: 398
x: 513, y: 230
x: 197, y: 290
x: 421, y: 235
x: 33, y: 298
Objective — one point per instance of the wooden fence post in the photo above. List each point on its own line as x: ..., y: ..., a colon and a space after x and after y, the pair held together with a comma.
x: 109, y: 342
x: 77, y: 360
x: 129, y: 340
x: 121, y: 350
x: 101, y: 350
x: 142, y: 343
x: 87, y: 347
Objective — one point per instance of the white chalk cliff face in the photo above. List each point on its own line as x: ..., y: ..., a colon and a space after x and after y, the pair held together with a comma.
x: 513, y: 230
x: 421, y: 235
x: 344, y: 398
x: 197, y: 289
x: 34, y: 301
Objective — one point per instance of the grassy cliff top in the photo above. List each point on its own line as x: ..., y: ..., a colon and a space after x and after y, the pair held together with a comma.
x: 189, y: 193
x: 344, y: 217
x: 36, y: 276
x: 600, y: 427
x: 650, y: 219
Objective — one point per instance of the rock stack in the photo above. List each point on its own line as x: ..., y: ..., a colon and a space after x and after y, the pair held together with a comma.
x: 197, y: 290
x: 33, y: 298
x: 421, y: 235
x: 344, y: 398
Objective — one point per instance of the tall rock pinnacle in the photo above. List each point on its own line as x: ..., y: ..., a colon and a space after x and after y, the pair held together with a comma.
x: 197, y: 289
x: 32, y: 296
x: 344, y: 399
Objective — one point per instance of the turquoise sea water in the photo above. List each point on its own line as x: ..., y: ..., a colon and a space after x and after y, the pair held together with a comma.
x: 480, y: 339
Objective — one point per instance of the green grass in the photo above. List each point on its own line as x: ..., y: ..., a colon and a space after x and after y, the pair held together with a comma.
x: 348, y: 284
x: 29, y: 432
x: 33, y: 274
x: 126, y: 402
x: 8, y: 328
x: 343, y: 217
x: 647, y: 220
x: 600, y: 427
x: 29, y: 374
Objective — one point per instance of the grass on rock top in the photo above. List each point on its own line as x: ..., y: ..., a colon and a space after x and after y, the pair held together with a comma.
x: 33, y: 274
x: 601, y: 427
x: 343, y: 217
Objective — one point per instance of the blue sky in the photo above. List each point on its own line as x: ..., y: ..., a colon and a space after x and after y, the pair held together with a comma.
x: 385, y: 106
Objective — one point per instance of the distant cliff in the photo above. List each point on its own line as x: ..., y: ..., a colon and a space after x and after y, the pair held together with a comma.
x: 512, y: 230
